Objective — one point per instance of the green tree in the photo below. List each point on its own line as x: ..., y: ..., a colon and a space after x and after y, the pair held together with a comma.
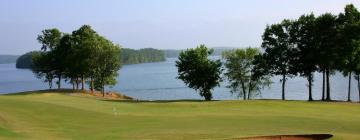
x: 82, y: 54
x: 279, y: 50
x: 65, y: 55
x: 198, y: 71
x: 85, y: 51
x: 107, y: 61
x: 61, y: 57
x: 326, y: 36
x: 240, y: 71
x: 349, y: 32
x: 303, y: 35
x: 50, y: 38
x: 42, y: 67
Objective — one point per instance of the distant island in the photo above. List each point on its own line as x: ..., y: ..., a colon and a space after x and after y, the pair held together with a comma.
x: 128, y: 56
x: 146, y: 55
x: 5, y: 59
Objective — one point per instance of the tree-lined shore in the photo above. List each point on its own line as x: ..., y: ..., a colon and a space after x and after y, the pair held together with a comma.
x: 127, y: 56
x: 326, y: 43
x: 294, y: 47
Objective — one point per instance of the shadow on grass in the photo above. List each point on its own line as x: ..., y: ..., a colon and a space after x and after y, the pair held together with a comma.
x: 160, y: 101
x: 290, y: 137
x: 62, y: 91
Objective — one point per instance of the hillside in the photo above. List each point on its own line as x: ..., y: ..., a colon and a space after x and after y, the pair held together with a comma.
x: 62, y: 116
x: 146, y: 55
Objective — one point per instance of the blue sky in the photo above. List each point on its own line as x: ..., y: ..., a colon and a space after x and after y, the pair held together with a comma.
x: 163, y: 24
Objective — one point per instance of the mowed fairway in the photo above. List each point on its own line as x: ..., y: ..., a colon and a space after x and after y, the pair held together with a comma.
x: 60, y: 116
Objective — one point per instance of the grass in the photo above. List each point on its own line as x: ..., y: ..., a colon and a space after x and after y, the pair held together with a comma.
x: 60, y: 116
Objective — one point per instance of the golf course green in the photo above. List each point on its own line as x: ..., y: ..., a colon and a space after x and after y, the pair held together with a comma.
x: 65, y: 116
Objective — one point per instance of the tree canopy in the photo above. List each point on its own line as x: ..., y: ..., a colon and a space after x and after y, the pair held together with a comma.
x: 325, y: 43
x: 242, y: 74
x: 80, y: 56
x: 198, y: 71
x: 279, y: 50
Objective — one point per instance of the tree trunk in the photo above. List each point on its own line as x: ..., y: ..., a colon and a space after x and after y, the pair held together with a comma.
x: 310, y: 87
x: 323, y: 87
x: 51, y: 83
x: 349, y: 88
x: 50, y: 86
x: 103, y: 90
x: 249, y: 90
x: 59, y: 82
x: 73, y: 83
x: 91, y: 85
x: 358, y: 82
x: 77, y: 83
x: 243, y: 89
x: 82, y: 82
x: 207, y: 95
x: 283, y: 87
x: 328, y: 85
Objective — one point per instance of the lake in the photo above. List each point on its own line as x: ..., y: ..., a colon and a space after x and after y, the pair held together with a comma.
x: 157, y: 81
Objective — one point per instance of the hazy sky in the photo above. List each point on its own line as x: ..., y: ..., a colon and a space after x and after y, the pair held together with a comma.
x: 165, y: 24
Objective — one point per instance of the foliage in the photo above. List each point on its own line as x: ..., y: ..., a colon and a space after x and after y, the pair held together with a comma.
x: 50, y: 38
x: 324, y: 43
x: 81, y: 55
x: 198, y: 71
x: 279, y: 50
x: 349, y: 29
x: 305, y: 52
x: 107, y: 63
x: 241, y: 73
x: 42, y: 67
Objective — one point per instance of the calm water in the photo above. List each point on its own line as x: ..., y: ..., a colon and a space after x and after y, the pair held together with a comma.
x: 156, y: 81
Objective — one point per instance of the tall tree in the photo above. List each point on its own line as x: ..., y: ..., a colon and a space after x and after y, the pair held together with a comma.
x: 107, y: 61
x: 198, y: 71
x: 303, y: 36
x: 240, y: 68
x: 50, y: 40
x: 279, y: 50
x: 86, y: 43
x: 326, y: 36
x: 349, y: 32
x: 357, y: 66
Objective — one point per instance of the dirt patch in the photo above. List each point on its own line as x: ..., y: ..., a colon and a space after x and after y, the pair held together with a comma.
x: 290, y: 137
x: 107, y: 95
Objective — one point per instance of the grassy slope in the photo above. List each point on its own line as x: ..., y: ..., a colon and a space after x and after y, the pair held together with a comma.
x: 59, y: 116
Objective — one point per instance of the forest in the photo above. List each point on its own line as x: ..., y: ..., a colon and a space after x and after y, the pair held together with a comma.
x: 146, y: 55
